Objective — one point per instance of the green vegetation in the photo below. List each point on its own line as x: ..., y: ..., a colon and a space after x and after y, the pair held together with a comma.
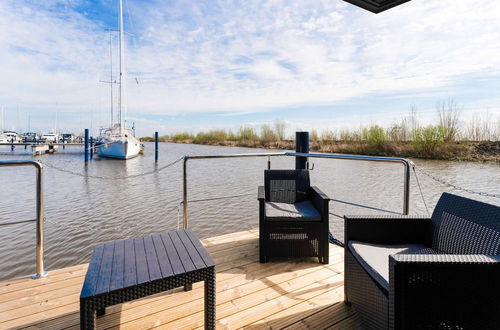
x: 374, y: 135
x: 449, y: 138
x: 426, y: 139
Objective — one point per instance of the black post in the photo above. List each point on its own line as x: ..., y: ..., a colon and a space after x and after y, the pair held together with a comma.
x: 156, y: 146
x: 91, y: 147
x: 302, y: 146
x: 86, y: 145
x: 12, y: 145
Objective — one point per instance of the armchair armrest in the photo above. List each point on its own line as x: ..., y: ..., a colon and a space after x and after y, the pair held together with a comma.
x: 320, y: 201
x: 432, y: 290
x: 261, y: 193
x: 387, y: 229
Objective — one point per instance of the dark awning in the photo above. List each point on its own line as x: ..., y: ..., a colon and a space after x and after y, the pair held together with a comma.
x: 376, y: 6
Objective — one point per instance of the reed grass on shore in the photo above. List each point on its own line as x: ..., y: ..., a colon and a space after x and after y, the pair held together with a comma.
x: 455, y: 151
x: 449, y: 139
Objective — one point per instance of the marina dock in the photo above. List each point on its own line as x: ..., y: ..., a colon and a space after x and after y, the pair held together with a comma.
x: 44, y: 149
x: 280, y: 294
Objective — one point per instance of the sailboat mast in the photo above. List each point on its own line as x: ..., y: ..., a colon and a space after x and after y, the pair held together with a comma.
x: 3, y: 123
x: 121, y: 104
x: 111, y: 73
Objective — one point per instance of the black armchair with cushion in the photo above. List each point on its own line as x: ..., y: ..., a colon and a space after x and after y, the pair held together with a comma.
x: 293, y: 216
x: 420, y: 273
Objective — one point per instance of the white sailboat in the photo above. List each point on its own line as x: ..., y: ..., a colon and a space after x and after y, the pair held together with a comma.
x: 118, y: 141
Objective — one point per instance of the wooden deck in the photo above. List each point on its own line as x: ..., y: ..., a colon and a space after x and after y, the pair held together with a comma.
x: 279, y: 294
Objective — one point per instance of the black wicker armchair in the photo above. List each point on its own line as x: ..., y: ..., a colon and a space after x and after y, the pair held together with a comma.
x: 293, y: 217
x: 418, y: 273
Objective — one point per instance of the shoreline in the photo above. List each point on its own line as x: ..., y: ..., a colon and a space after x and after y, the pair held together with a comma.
x: 456, y: 151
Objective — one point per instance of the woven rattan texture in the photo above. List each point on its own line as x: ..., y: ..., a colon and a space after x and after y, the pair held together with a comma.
x: 458, y: 288
x: 369, y: 299
x: 292, y: 237
x: 90, y: 305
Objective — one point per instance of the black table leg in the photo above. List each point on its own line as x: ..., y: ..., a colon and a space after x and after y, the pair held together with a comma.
x: 210, y: 301
x: 87, y: 316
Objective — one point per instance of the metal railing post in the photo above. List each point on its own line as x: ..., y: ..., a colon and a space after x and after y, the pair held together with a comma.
x: 184, y: 193
x: 40, y: 272
x: 406, y: 201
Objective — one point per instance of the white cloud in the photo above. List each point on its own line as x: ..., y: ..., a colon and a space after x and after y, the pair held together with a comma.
x: 204, y: 56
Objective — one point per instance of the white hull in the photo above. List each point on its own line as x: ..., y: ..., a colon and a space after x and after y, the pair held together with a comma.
x: 119, y: 148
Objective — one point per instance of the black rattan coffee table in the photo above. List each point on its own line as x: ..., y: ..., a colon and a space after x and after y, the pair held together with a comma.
x: 130, y: 269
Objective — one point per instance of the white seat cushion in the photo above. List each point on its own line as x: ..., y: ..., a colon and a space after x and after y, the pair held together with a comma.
x: 303, y: 211
x: 374, y: 258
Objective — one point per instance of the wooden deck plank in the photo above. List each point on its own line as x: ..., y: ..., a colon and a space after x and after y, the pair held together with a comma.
x: 26, y: 279
x: 187, y: 309
x: 59, y: 318
x: 241, y: 297
x: 23, y: 295
x: 325, y: 318
x: 290, y: 296
x: 25, y: 314
x: 279, y: 294
x: 300, y: 311
x: 38, y: 299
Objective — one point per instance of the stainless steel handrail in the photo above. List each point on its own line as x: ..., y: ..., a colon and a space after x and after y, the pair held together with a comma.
x: 184, y: 176
x: 39, y: 211
x: 406, y: 163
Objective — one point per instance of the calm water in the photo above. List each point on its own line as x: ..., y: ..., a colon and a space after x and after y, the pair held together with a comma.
x: 83, y: 211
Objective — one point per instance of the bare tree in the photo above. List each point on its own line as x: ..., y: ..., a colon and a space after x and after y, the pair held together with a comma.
x: 487, y: 127
x: 328, y: 135
x: 267, y: 134
x: 473, y: 130
x: 481, y: 128
x: 279, y: 128
x: 497, y: 130
x: 413, y: 119
x: 449, y: 115
x: 314, y: 135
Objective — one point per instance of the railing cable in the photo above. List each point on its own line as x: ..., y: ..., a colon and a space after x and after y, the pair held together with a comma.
x: 421, y: 192
x: 454, y: 186
x: 156, y: 170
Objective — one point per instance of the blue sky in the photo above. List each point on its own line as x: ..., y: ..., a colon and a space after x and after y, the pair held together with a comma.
x: 223, y: 64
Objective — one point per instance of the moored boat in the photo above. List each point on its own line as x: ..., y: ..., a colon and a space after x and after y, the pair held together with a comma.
x: 118, y: 141
x: 119, y: 144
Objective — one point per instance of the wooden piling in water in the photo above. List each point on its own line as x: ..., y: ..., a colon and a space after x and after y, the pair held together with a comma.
x: 156, y: 146
x: 86, y: 145
x: 91, y: 147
